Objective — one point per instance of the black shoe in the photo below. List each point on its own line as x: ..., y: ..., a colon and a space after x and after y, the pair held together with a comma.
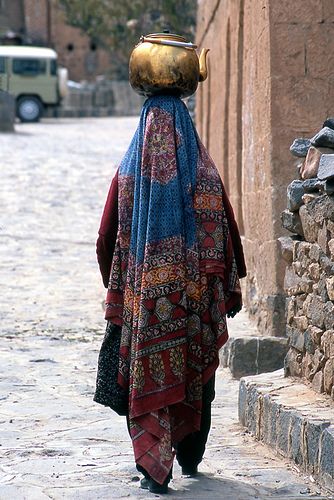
x: 189, y: 470
x: 155, y: 487
x: 144, y: 483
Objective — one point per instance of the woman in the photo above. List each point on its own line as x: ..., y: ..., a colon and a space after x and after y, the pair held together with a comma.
x: 170, y: 254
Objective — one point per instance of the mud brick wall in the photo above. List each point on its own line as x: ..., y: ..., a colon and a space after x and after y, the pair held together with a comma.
x: 270, y: 74
x: 309, y: 253
x: 11, y: 17
x: 45, y: 24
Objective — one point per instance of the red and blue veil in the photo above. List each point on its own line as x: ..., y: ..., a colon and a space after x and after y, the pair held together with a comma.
x: 174, y: 274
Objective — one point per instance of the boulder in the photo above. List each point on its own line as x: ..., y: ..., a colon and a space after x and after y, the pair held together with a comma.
x: 309, y: 226
x: 329, y: 123
x: 295, y: 193
x: 326, y: 167
x: 310, y: 166
x: 325, y: 138
x: 327, y: 343
x: 286, y: 248
x: 329, y: 186
x: 312, y: 185
x: 328, y: 375
x: 321, y: 208
x: 318, y: 382
x: 291, y: 222
x: 300, y: 147
x: 308, y: 197
x: 329, y: 315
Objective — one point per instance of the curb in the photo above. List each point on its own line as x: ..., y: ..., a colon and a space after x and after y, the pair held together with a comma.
x: 291, y: 418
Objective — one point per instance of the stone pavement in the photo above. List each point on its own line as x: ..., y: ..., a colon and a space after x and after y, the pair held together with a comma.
x: 55, y: 443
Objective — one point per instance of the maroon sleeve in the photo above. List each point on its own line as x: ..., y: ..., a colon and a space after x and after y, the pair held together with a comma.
x: 105, y: 244
x: 235, y: 236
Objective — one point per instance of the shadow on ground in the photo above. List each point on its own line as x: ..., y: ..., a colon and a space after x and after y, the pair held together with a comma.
x: 209, y: 487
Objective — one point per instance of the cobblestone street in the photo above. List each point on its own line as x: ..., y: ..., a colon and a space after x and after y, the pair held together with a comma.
x: 55, y: 443
x: 54, y: 181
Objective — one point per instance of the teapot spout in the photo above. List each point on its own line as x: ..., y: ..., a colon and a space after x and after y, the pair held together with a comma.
x: 203, y: 71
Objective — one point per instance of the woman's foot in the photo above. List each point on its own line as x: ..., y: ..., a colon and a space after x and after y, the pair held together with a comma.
x: 189, y: 470
x: 144, y: 483
x: 153, y: 486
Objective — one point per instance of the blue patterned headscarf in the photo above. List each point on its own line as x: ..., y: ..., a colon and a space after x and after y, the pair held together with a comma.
x: 163, y: 209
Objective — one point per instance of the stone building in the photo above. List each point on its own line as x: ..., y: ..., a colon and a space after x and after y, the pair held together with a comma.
x: 270, y: 81
x: 41, y: 22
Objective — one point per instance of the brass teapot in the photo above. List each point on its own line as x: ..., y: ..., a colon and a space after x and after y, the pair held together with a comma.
x: 166, y: 63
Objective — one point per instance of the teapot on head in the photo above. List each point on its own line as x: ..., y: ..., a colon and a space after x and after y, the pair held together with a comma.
x: 166, y: 63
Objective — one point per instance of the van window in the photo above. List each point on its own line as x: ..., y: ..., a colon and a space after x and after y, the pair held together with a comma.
x: 53, y: 68
x: 2, y: 65
x: 29, y: 67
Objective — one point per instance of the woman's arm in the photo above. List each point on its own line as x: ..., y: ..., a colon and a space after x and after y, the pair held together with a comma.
x: 108, y: 232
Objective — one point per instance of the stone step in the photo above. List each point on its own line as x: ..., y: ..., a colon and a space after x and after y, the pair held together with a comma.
x: 251, y: 355
x: 294, y: 420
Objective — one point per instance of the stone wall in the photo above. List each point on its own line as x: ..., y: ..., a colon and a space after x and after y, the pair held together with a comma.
x: 7, y: 112
x: 309, y: 253
x: 270, y: 74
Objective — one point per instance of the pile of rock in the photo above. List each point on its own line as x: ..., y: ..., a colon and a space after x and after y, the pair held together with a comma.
x: 309, y: 252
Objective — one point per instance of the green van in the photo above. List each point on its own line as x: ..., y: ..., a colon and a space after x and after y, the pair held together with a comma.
x: 32, y: 76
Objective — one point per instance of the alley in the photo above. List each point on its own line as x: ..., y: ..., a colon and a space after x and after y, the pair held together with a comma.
x: 55, y: 443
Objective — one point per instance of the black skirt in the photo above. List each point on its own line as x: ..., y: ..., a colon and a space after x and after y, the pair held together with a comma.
x: 108, y: 392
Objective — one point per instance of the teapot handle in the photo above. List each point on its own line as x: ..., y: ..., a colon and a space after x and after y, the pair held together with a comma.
x: 173, y: 43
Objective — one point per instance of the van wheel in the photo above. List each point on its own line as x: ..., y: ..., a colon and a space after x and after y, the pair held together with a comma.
x: 29, y: 109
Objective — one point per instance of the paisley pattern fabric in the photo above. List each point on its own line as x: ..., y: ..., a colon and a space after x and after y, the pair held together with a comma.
x: 173, y: 278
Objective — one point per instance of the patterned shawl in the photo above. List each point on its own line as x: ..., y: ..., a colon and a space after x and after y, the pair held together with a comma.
x: 173, y: 277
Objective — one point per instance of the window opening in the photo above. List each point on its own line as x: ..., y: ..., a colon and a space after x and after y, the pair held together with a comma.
x: 29, y: 67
